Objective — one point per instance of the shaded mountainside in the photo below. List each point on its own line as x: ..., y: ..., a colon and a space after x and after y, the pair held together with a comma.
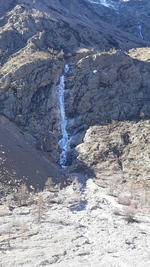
x: 108, y: 54
x: 21, y: 163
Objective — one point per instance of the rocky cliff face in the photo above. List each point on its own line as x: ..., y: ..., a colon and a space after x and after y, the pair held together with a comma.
x: 107, y: 50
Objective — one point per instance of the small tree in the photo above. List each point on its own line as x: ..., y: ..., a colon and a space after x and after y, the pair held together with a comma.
x: 40, y: 206
x: 22, y: 195
x: 9, y: 234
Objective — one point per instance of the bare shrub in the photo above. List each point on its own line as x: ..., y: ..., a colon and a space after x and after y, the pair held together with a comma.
x: 129, y: 213
x: 24, y: 229
x: 111, y: 190
x: 116, y: 212
x: 77, y: 186
x: 76, y: 197
x: 74, y: 191
x: 22, y: 196
x: 10, y: 200
x: 144, y: 198
x: 132, y: 187
x: 40, y: 207
x: 9, y: 231
x: 124, y: 199
x: 77, y: 190
x: 48, y: 184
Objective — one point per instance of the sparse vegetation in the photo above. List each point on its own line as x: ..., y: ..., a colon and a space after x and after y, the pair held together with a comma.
x: 130, y: 212
x: 124, y: 199
x: 41, y: 206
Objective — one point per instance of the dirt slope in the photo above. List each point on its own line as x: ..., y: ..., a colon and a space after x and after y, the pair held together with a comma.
x: 21, y: 162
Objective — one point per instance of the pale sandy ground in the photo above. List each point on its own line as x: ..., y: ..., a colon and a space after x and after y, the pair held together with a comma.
x: 70, y: 234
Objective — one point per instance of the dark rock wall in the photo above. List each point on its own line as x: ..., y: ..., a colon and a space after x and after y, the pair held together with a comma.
x: 107, y: 86
x: 37, y: 40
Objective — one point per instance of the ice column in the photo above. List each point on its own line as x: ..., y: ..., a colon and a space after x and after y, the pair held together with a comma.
x: 64, y: 141
x: 141, y: 35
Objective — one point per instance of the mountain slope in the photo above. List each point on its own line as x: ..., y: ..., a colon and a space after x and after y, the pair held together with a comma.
x: 96, y: 211
x: 21, y: 163
x: 107, y: 51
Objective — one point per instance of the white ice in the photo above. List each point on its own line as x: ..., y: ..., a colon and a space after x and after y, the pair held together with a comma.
x: 65, y: 141
x: 140, y: 28
x: 107, y: 3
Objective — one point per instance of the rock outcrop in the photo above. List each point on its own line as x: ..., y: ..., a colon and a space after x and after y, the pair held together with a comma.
x: 108, y: 86
x: 117, y: 155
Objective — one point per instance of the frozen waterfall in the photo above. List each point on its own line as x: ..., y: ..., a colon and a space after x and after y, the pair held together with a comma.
x: 64, y: 141
x: 107, y: 3
x: 140, y: 29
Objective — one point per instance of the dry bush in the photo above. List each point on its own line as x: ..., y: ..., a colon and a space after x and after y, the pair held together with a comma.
x: 22, y: 195
x: 9, y: 231
x: 41, y: 206
x: 111, y: 190
x: 24, y: 229
x: 124, y: 199
x: 144, y: 197
x: 48, y: 184
x: 76, y: 191
x: 77, y: 186
x: 116, y: 211
x: 129, y: 213
x: 76, y: 197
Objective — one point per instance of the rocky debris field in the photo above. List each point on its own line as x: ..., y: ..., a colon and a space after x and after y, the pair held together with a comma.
x: 74, y: 227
